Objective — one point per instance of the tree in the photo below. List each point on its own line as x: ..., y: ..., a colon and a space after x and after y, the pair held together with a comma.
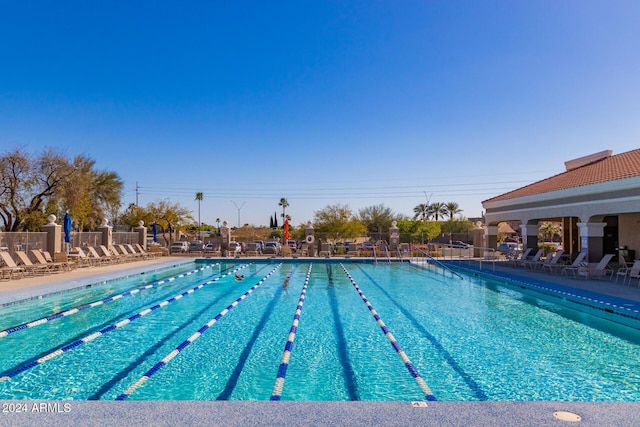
x: 285, y: 204
x: 452, y: 209
x: 199, y: 197
x: 168, y: 216
x: 438, y: 210
x: 418, y: 231
x: 548, y: 230
x: 31, y: 187
x: 376, y: 218
x: 338, y: 221
x: 422, y: 211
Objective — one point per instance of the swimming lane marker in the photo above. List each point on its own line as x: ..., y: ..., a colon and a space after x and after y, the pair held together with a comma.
x: 276, y: 394
x: 128, y: 392
x: 110, y: 328
x: 96, y: 303
x: 428, y: 394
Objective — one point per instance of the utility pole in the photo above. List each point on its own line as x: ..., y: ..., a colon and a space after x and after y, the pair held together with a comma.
x: 137, y: 192
x: 238, y: 210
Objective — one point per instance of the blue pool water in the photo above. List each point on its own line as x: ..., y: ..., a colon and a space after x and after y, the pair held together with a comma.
x: 465, y: 340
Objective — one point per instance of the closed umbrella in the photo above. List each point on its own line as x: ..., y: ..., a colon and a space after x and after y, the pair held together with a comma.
x: 67, y: 227
x: 154, y: 230
x: 287, y: 235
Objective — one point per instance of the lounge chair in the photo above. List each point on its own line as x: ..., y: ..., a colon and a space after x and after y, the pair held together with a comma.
x: 535, y: 260
x: 10, y: 267
x: 551, y: 261
x: 520, y: 257
x: 96, y: 257
x: 575, y: 265
x: 325, y: 250
x: 25, y: 262
x: 38, y: 258
x: 352, y: 250
x: 596, y: 270
x: 82, y: 258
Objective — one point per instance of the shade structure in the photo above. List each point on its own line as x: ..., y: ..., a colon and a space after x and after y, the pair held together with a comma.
x: 67, y: 227
x: 287, y: 235
x: 154, y: 230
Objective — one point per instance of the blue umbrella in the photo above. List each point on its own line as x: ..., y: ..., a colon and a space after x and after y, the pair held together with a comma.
x: 67, y: 227
x: 154, y: 229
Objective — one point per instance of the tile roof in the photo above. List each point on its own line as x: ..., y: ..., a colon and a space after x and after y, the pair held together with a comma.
x: 619, y: 166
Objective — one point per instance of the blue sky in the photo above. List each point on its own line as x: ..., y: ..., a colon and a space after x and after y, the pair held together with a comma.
x: 321, y: 102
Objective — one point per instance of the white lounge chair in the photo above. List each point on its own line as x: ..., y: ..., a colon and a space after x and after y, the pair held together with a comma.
x: 575, y: 265
x: 551, y: 261
x: 535, y: 260
x: 632, y: 272
x: 596, y: 270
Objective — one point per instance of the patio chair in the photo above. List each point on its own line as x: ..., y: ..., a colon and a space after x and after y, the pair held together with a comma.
x: 596, y: 270
x: 25, y: 262
x: 38, y: 257
x: 634, y: 272
x: 535, y: 260
x: 325, y: 250
x: 82, y: 258
x: 10, y: 267
x: 96, y: 257
x: 520, y: 257
x: 551, y: 261
x: 352, y: 250
x: 623, y: 270
x: 575, y: 265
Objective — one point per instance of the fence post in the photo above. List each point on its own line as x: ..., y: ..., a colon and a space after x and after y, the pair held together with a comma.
x: 54, y: 235
x: 106, y: 231
x: 142, y: 234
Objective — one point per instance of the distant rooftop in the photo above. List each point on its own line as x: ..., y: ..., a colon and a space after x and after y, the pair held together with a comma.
x: 588, y: 170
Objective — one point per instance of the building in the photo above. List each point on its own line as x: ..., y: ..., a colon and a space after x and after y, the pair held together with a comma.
x: 597, y: 200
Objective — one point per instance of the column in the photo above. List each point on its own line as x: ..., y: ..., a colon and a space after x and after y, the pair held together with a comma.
x: 530, y: 236
x: 394, y: 237
x: 106, y: 231
x: 310, y: 239
x: 592, y: 239
x: 490, y: 239
x: 54, y: 235
x: 142, y: 234
x: 225, y: 233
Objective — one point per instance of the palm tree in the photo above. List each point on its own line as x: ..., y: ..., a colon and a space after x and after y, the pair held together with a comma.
x: 199, y: 197
x: 422, y: 212
x: 438, y: 210
x: 218, y: 223
x: 452, y: 208
x: 285, y: 204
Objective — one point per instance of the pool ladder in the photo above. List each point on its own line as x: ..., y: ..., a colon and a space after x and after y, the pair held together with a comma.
x: 430, y: 259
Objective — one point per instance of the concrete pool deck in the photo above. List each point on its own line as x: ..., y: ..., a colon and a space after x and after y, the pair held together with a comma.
x: 253, y: 413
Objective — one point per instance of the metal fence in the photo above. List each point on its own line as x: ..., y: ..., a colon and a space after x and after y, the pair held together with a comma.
x: 125, y: 238
x: 22, y: 241
x: 87, y: 238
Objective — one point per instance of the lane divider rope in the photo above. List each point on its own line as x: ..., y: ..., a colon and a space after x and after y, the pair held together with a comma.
x: 91, y: 337
x: 405, y: 359
x: 77, y: 309
x: 276, y: 394
x: 128, y: 392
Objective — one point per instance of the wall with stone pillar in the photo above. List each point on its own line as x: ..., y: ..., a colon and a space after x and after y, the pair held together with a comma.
x: 394, y: 237
x: 142, y: 234
x: 491, y: 237
x: 107, y: 233
x: 54, y: 235
x: 225, y: 234
x: 309, y: 238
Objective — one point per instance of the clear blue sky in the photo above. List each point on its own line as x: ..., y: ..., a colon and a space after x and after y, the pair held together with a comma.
x: 322, y: 102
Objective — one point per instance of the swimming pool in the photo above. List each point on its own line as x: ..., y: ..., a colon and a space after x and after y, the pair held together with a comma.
x: 311, y: 331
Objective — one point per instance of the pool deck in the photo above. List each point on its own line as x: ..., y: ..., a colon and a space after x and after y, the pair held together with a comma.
x: 258, y: 413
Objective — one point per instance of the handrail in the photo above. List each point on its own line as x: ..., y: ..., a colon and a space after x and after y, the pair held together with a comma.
x: 373, y: 251
x: 386, y: 249
x: 444, y: 267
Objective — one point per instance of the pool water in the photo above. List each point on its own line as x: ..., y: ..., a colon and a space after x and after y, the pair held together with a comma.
x: 468, y: 340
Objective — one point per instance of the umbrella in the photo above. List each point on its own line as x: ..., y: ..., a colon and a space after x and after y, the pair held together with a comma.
x: 67, y: 227
x: 154, y: 229
x: 287, y: 235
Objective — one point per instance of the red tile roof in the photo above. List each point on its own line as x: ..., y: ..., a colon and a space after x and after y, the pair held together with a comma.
x: 619, y: 166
